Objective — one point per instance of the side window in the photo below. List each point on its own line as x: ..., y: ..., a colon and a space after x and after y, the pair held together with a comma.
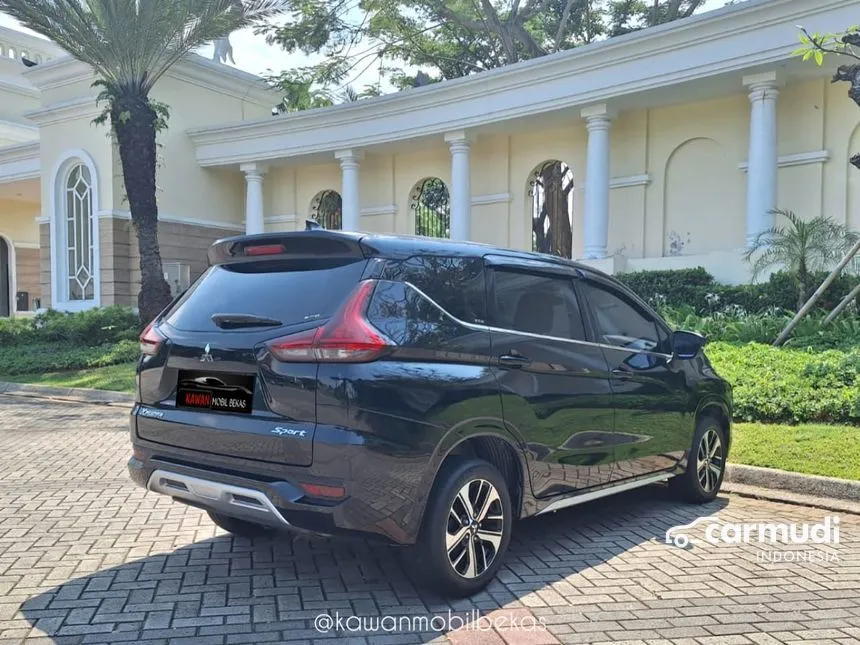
x: 536, y: 304
x: 620, y: 322
x: 456, y: 284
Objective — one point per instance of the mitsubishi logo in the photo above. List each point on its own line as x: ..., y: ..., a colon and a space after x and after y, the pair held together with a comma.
x: 207, y: 357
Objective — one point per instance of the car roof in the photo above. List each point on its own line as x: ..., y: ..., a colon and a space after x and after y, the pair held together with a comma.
x: 403, y: 246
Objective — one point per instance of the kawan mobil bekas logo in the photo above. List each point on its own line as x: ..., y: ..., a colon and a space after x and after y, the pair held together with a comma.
x: 777, y: 541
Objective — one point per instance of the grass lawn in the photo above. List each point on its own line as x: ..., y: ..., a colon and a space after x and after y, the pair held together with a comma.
x: 119, y: 378
x: 815, y: 449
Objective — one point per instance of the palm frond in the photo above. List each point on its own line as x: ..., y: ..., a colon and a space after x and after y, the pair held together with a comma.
x: 132, y: 43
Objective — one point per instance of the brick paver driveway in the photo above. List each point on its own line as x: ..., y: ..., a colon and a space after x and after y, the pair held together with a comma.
x: 85, y: 557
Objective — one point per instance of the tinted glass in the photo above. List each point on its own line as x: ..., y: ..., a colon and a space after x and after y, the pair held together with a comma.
x: 456, y: 284
x: 620, y: 321
x: 288, y: 291
x: 536, y: 304
x: 407, y: 318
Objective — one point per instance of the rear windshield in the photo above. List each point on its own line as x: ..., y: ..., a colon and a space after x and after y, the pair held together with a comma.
x: 291, y: 292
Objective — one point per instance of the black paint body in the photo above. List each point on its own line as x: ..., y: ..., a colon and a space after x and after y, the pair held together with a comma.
x: 578, y: 414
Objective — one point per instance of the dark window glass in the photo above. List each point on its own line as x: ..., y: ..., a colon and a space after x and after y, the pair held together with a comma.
x: 289, y: 291
x: 456, y: 284
x: 620, y: 321
x: 406, y: 317
x: 536, y: 304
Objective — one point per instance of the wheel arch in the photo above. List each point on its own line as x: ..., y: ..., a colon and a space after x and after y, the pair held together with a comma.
x: 718, y: 410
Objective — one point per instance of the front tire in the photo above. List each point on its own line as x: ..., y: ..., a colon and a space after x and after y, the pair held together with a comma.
x: 466, y: 529
x: 242, y: 528
x: 706, y: 464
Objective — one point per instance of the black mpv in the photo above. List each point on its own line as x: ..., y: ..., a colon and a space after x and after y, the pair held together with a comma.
x: 421, y: 391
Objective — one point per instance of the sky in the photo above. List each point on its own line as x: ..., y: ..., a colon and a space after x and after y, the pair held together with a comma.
x: 252, y: 54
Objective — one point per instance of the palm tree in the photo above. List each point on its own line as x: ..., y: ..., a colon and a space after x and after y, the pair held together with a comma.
x: 801, y: 248
x: 131, y: 44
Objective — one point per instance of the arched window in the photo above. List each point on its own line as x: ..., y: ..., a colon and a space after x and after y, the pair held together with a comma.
x: 77, y: 235
x: 12, y: 52
x: 327, y: 210
x: 431, y: 202
x: 551, y: 196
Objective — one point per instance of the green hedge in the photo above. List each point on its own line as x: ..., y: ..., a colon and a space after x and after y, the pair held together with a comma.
x: 772, y: 384
x: 697, y: 288
x: 54, y: 357
x: 89, y: 328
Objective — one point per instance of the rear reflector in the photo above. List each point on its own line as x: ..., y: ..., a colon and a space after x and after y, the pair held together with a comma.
x: 150, y: 340
x: 317, y: 490
x: 347, y: 338
x: 265, y: 249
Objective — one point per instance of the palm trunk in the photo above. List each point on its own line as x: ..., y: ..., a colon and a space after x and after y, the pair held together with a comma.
x: 134, y: 121
x: 802, y: 284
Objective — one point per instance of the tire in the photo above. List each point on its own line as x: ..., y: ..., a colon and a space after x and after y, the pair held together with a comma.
x: 477, y: 555
x: 706, y: 464
x: 242, y: 528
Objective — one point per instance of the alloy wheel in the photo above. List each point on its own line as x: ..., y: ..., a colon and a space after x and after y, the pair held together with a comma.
x: 709, y: 460
x: 475, y: 525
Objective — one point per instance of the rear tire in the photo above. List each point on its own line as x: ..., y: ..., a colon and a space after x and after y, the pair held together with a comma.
x: 466, y: 528
x: 706, y: 464
x: 242, y: 528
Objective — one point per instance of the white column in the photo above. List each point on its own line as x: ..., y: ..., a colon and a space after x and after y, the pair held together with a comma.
x: 763, y: 161
x: 461, y: 185
x: 253, y: 197
x: 349, y: 162
x: 596, y: 233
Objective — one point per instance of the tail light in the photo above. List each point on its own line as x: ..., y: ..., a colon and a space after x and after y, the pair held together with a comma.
x: 150, y: 340
x: 347, y: 338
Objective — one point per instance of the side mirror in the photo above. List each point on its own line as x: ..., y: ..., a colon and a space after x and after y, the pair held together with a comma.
x: 687, y: 344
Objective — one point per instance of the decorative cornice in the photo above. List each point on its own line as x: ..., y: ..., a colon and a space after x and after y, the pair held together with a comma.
x: 688, y: 50
x: 19, y: 162
x: 18, y: 132
x: 391, y: 209
x: 26, y: 245
x: 21, y: 89
x: 632, y: 180
x: 34, y: 44
x: 85, y: 108
x: 192, y: 69
x: 176, y: 219
x: 42, y: 219
x: 799, y: 159
x: 498, y: 198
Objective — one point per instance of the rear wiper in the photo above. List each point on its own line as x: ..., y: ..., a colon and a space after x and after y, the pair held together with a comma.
x: 233, y: 321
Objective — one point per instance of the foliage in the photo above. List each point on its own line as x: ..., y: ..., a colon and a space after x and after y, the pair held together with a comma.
x: 697, y: 288
x: 801, y: 247
x: 452, y: 39
x: 119, y: 378
x: 47, y: 357
x: 89, y: 328
x: 131, y: 44
x: 795, y: 385
x: 814, y: 449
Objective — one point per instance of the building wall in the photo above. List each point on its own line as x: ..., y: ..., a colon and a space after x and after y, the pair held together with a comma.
x: 679, y: 183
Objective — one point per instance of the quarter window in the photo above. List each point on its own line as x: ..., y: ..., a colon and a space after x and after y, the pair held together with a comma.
x: 620, y: 322
x: 536, y: 304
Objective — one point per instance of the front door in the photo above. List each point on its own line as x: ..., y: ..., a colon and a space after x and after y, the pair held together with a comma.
x: 653, y: 405
x: 5, y: 279
x: 555, y: 386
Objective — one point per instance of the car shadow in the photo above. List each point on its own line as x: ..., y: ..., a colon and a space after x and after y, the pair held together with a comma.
x: 275, y: 588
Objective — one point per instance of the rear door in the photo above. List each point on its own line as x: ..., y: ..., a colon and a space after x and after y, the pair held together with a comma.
x: 555, y: 386
x: 653, y: 404
x: 212, y: 386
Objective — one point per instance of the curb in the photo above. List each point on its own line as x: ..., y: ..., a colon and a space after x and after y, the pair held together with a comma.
x: 78, y: 394
x: 797, y: 483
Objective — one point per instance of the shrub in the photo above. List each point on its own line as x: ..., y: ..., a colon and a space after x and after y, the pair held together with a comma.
x: 54, y: 357
x: 697, y: 288
x: 772, y: 384
x: 87, y: 328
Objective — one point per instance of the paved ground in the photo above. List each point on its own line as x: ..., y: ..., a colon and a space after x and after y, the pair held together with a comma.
x: 85, y: 557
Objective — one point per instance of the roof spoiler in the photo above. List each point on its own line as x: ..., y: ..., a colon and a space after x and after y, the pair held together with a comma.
x: 300, y: 245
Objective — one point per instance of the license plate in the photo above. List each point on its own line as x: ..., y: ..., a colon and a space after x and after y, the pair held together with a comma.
x: 216, y: 392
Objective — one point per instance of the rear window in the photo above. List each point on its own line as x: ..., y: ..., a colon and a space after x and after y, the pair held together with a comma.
x: 291, y: 292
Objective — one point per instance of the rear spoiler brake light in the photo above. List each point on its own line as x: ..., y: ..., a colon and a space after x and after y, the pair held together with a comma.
x: 301, y: 245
